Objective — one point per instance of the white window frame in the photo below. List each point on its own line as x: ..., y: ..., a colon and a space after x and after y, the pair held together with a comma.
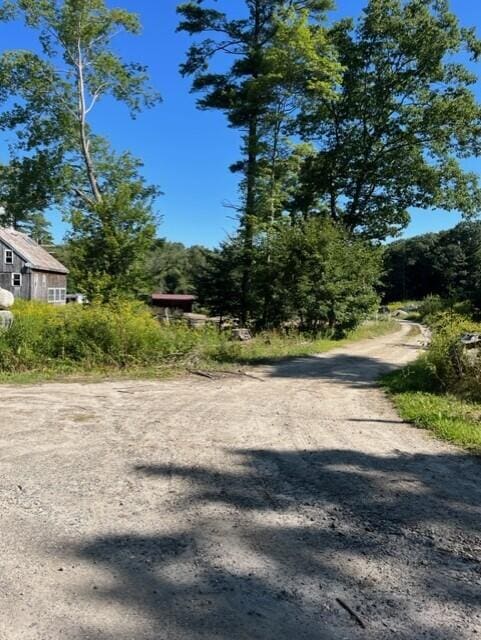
x: 56, y: 295
x: 8, y: 256
x: 14, y: 275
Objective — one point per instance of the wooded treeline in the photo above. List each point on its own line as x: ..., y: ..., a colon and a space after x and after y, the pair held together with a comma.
x: 445, y: 264
x: 344, y: 126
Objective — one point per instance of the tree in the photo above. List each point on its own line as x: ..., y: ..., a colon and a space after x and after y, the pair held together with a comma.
x: 403, y: 118
x: 276, y: 46
x: 31, y: 180
x: 410, y: 268
x: 109, y: 243
x: 28, y: 186
x: 219, y: 283
x: 56, y: 93
x: 445, y: 264
x: 325, y: 278
x: 174, y: 268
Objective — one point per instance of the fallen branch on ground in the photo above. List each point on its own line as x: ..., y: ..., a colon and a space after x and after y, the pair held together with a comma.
x: 352, y: 613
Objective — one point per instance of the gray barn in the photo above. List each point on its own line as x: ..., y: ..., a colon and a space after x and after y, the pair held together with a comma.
x: 29, y: 271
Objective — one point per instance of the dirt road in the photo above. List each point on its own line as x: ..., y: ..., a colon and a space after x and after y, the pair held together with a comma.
x: 294, y: 506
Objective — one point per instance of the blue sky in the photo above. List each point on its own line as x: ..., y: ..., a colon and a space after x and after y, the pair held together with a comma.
x: 187, y: 152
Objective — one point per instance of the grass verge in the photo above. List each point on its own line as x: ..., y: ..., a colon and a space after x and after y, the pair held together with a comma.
x: 419, y: 400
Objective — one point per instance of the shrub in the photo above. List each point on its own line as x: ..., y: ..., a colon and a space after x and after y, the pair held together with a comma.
x: 430, y: 307
x: 117, y: 335
x: 457, y: 369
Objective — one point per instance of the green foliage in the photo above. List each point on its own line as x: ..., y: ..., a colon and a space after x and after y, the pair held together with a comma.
x: 457, y: 368
x: 416, y: 393
x: 431, y: 307
x: 74, y: 338
x: 278, y: 49
x: 174, y: 268
x: 321, y: 275
x: 50, y: 96
x: 309, y: 271
x: 28, y: 186
x: 82, y: 31
x: 448, y: 366
x: 219, y: 283
x: 403, y: 119
x: 269, y: 346
x: 447, y: 264
x: 109, y: 242
x: 47, y: 340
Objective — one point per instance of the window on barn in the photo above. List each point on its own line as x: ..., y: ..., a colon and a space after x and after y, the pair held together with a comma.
x: 8, y: 258
x: 16, y: 279
x: 57, y: 295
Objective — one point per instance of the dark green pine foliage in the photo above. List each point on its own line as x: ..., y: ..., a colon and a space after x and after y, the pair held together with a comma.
x: 248, y: 91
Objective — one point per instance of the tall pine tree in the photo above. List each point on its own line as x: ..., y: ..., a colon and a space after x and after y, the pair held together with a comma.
x: 275, y: 46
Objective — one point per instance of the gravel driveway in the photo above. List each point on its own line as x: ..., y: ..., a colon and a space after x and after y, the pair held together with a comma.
x: 292, y: 505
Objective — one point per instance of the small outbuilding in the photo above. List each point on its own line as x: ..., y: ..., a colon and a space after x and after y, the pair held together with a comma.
x: 29, y: 271
x: 173, y: 302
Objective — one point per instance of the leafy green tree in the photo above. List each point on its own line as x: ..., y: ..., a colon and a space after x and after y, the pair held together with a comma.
x: 173, y: 267
x: 109, y: 242
x: 403, y: 118
x: 319, y: 276
x: 219, y: 283
x: 445, y: 264
x: 274, y: 49
x: 28, y: 186
x: 81, y: 33
x: 410, y: 268
x: 109, y: 204
x: 325, y: 278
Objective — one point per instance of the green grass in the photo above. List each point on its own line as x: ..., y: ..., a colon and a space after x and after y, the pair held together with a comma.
x: 419, y: 400
x: 183, y: 350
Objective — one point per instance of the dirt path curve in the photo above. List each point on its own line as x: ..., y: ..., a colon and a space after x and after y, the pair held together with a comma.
x: 293, y: 507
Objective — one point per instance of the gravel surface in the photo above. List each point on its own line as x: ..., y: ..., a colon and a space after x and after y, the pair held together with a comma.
x: 293, y: 505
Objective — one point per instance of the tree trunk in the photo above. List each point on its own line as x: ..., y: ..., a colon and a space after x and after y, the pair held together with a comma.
x: 249, y: 218
x: 84, y: 139
x: 251, y: 175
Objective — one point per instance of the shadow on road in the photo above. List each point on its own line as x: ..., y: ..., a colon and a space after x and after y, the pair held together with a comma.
x: 395, y: 538
x: 353, y: 370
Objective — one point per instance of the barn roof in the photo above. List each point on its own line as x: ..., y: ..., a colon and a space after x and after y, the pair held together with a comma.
x: 173, y: 297
x: 34, y: 255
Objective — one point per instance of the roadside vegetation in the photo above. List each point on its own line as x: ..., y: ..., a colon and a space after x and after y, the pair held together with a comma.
x: 124, y: 339
x: 440, y: 273
x: 441, y: 391
x: 421, y: 401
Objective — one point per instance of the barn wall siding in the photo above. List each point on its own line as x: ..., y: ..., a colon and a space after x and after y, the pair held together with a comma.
x: 35, y: 283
